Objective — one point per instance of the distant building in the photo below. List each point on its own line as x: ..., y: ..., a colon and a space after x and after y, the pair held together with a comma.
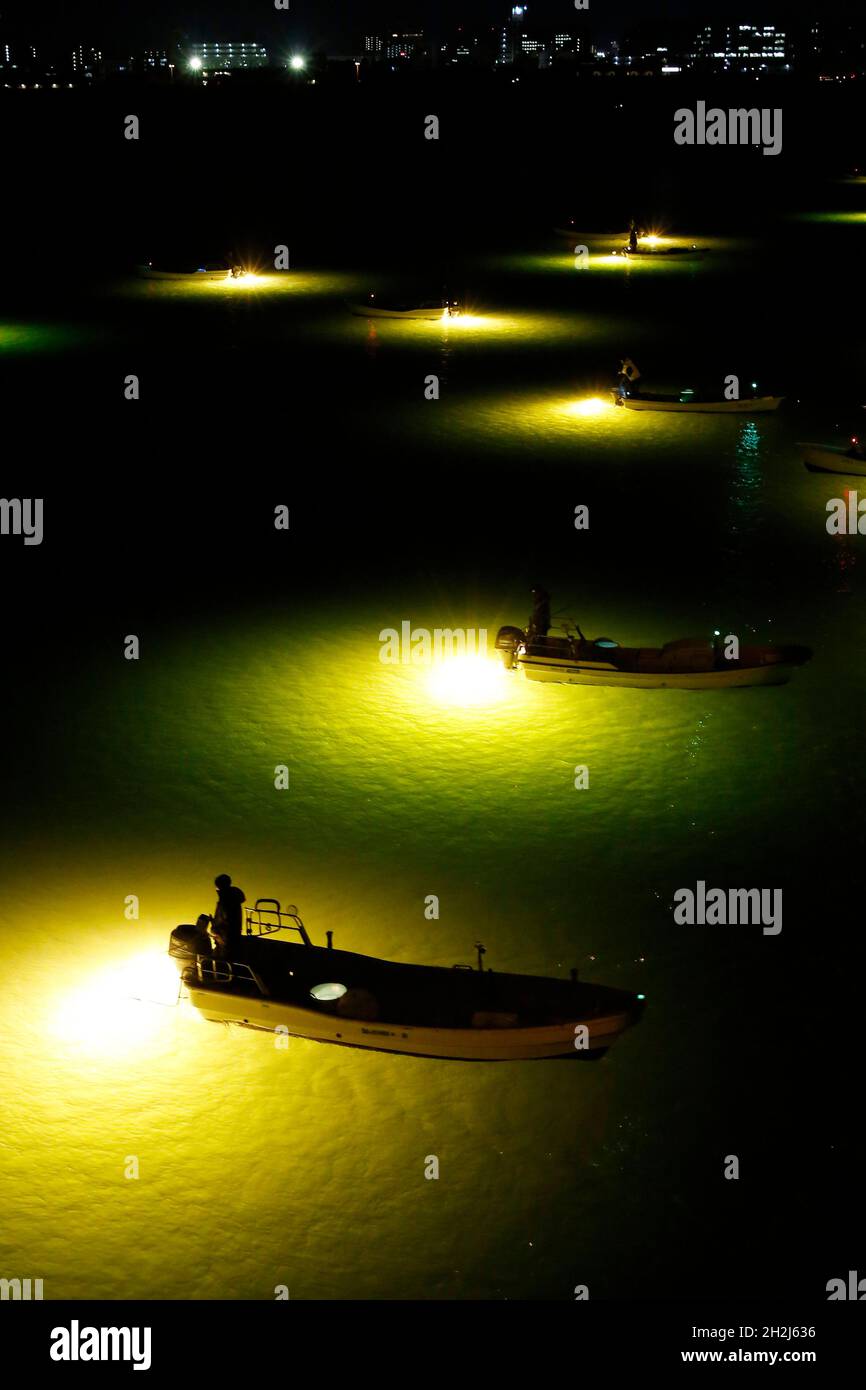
x: 85, y: 61
x: 521, y: 43
x: 565, y: 44
x: 513, y: 34
x: 398, y: 50
x: 742, y: 47
x: 219, y: 57
x: 470, y: 48
x: 834, y: 50
x: 404, y: 47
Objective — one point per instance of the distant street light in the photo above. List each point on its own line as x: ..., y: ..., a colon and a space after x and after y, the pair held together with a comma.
x: 297, y: 62
x: 195, y: 64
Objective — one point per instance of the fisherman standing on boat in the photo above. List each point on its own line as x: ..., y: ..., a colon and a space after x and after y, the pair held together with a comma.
x: 228, y: 915
x: 629, y: 376
x: 539, y: 623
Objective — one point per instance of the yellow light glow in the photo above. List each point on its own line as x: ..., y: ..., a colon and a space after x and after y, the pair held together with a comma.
x: 468, y: 680
x: 470, y: 321
x: 121, y: 1009
x: 592, y: 405
x: 248, y: 278
x: 652, y: 239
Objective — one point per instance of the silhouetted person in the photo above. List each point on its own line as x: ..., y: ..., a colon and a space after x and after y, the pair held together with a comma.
x: 632, y: 235
x: 629, y: 376
x: 539, y: 623
x: 228, y: 915
x: 202, y: 942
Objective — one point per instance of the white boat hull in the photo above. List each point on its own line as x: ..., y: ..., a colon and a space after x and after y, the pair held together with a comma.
x: 758, y: 406
x: 566, y: 672
x: 368, y: 311
x: 675, y: 253
x: 455, y: 1044
x: 824, y: 458
x: 193, y: 275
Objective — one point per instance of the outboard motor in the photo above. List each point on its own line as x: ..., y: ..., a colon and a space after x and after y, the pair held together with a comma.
x: 181, y: 945
x: 185, y: 943
x: 508, y: 640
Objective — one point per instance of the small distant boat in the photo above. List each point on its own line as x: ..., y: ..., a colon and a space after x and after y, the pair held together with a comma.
x: 688, y: 400
x: 149, y: 272
x: 460, y: 1014
x: 683, y: 252
x: 690, y: 663
x: 374, y: 308
x: 829, y: 458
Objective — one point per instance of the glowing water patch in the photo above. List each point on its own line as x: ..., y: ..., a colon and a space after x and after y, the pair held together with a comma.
x: 468, y: 680
x: 591, y: 405
x: 121, y: 1008
x: 473, y: 322
x: 30, y: 337
x: 841, y: 218
x: 298, y: 283
x: 248, y: 280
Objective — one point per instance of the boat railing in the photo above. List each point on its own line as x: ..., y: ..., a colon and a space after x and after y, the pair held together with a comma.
x: 215, y: 970
x: 268, y: 916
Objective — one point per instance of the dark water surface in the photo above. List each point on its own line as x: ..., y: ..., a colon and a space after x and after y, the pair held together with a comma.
x: 306, y: 1166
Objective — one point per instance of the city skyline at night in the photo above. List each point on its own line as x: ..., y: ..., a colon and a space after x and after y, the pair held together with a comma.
x: 758, y: 39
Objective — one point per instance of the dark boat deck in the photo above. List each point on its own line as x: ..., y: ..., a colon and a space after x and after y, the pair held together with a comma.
x: 419, y: 995
x: 682, y: 655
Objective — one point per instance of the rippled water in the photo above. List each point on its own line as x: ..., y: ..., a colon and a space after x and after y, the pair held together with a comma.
x: 256, y: 1163
x: 305, y: 1167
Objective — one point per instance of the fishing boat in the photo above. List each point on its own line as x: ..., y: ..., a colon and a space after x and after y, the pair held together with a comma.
x: 651, y: 252
x: 689, y: 663
x: 690, y: 401
x: 282, y: 982
x: 374, y: 308
x: 829, y: 458
x: 149, y: 272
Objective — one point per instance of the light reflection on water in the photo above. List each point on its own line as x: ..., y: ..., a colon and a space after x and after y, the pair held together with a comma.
x: 746, y: 483
x: 18, y: 337
x: 247, y: 1153
x: 262, y: 285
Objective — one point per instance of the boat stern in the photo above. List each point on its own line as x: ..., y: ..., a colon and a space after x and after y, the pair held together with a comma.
x: 509, y: 640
